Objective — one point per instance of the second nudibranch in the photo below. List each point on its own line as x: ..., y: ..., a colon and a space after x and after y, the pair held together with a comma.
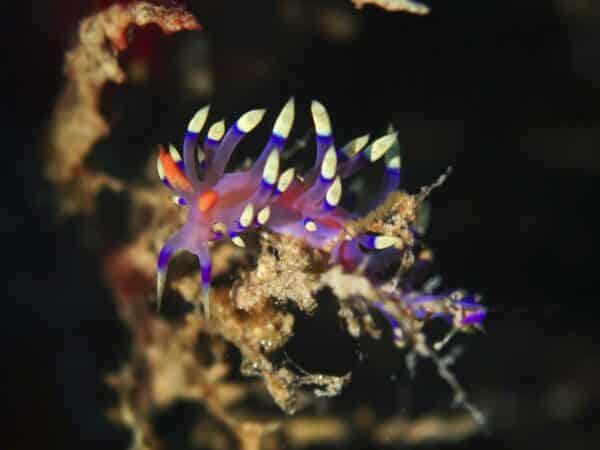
x: 223, y: 205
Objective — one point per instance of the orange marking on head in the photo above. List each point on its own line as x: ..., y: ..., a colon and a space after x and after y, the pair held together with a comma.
x: 207, y: 200
x: 173, y: 173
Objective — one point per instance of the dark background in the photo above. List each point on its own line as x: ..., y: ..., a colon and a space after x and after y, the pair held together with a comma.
x: 505, y: 92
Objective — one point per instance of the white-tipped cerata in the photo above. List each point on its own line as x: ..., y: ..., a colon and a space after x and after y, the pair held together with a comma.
x: 329, y: 165
x: 199, y: 119
x: 249, y: 120
x: 160, y: 169
x: 334, y: 193
x: 271, y: 169
x: 247, y: 216
x: 285, y: 179
x: 393, y: 161
x: 263, y: 215
x: 378, y: 148
x: 174, y: 154
x: 238, y: 241
x: 283, y: 124
x: 216, y: 131
x: 355, y: 145
x: 320, y: 119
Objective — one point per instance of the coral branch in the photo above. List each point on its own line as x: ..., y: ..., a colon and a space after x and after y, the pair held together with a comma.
x: 399, y: 430
x: 76, y: 122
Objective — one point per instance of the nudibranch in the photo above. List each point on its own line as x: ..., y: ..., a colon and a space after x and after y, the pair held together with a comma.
x: 223, y: 205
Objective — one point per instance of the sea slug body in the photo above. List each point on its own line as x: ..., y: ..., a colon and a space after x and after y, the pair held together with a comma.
x: 223, y: 205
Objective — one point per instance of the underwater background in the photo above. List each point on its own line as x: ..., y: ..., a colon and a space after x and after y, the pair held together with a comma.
x: 507, y: 93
